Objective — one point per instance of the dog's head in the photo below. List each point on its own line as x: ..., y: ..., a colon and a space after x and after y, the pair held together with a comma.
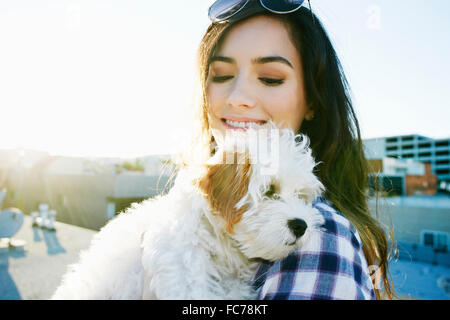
x: 263, y: 197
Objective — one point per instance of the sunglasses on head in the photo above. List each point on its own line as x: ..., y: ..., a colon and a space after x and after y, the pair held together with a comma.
x: 224, y: 10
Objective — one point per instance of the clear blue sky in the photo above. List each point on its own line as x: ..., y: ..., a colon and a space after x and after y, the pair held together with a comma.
x: 399, y: 71
x: 115, y: 77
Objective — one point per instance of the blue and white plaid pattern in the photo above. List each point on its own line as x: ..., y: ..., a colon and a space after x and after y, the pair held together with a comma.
x: 332, y: 267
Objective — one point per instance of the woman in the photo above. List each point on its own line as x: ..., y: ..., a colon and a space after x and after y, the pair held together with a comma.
x: 262, y: 60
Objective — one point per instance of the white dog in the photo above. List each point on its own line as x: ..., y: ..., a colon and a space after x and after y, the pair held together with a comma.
x: 201, y: 239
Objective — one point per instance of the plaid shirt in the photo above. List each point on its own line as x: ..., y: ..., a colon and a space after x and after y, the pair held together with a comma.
x: 333, y: 268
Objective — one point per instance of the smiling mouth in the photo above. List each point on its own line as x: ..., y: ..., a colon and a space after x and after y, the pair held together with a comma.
x: 243, y: 125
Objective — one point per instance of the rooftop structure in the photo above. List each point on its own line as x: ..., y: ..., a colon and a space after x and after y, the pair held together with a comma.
x: 415, y: 147
x: 402, y: 177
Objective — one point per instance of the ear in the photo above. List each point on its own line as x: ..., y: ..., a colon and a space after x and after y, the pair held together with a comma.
x: 309, y: 115
x: 224, y: 185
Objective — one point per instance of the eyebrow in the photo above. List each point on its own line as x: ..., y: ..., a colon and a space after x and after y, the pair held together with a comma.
x: 259, y: 60
x: 263, y: 60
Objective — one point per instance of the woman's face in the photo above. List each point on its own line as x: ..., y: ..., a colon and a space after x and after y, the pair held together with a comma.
x: 255, y: 76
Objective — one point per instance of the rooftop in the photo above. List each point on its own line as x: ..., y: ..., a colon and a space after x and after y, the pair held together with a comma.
x: 422, y: 201
x: 35, y: 270
x: 419, y: 280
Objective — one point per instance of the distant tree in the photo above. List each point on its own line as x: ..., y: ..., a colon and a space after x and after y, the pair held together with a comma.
x: 132, y: 166
x: 168, y: 161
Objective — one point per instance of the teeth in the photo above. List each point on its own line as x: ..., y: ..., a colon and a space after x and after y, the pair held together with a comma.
x: 242, y: 124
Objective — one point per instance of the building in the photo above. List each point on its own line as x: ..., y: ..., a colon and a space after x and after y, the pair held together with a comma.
x: 411, y: 169
x: 90, y: 201
x: 415, y: 147
x: 85, y: 192
x: 402, y: 177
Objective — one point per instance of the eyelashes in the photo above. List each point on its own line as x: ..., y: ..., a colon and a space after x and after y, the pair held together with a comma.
x: 221, y: 79
x: 271, y: 82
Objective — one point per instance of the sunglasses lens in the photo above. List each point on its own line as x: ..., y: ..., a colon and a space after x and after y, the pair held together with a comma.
x: 223, y: 9
x: 281, y: 6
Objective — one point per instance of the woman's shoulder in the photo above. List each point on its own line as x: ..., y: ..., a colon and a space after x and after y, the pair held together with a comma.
x: 336, y: 224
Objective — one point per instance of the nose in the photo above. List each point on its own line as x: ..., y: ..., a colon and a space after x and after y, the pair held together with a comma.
x: 241, y: 95
x: 297, y: 226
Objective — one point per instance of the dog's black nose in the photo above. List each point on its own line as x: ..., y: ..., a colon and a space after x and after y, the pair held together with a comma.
x: 297, y: 226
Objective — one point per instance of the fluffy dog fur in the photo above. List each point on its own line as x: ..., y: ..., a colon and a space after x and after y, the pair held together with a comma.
x: 199, y: 241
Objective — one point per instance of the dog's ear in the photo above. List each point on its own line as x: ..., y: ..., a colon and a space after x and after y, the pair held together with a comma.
x: 224, y: 184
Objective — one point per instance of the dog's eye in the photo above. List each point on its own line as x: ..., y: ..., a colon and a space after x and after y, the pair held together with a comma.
x: 270, y: 193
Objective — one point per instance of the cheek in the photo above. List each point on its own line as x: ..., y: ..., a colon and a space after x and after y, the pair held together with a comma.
x: 214, y: 111
x: 286, y: 106
x: 216, y: 97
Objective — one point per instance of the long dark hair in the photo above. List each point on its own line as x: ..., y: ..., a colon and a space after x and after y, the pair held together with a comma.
x: 334, y: 132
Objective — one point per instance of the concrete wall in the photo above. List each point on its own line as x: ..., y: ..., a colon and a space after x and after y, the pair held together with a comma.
x: 80, y: 200
x: 139, y: 185
x: 410, y: 219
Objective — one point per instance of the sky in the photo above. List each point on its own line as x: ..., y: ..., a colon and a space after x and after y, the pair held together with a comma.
x: 115, y: 78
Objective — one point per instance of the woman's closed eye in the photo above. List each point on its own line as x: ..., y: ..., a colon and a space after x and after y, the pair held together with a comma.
x: 221, y: 79
x: 271, y: 81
